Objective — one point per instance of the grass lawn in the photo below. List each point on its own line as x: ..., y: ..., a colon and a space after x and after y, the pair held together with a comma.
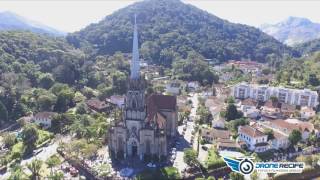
x: 43, y: 136
x: 161, y: 174
x: 17, y: 151
x: 214, y: 160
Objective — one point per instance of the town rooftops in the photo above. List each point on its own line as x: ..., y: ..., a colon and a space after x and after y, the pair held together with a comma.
x: 216, y: 133
x: 249, y: 102
x: 96, y: 104
x: 287, y: 107
x: 250, y: 131
x: 306, y: 109
x: 44, y: 115
x: 290, y: 124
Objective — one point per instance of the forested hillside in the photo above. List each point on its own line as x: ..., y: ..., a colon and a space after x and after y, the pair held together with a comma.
x: 169, y: 29
x: 41, y: 73
x: 308, y: 47
x: 300, y: 73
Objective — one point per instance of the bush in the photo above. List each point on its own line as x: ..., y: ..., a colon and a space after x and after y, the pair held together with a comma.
x: 214, y: 161
x: 165, y: 173
x: 17, y: 151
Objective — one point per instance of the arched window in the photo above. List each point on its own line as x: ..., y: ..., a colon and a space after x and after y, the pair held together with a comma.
x: 134, y: 104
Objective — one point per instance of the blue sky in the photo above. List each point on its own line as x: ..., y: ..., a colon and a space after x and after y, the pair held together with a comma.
x: 72, y: 15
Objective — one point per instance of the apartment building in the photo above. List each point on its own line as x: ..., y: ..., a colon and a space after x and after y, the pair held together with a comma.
x: 301, y: 97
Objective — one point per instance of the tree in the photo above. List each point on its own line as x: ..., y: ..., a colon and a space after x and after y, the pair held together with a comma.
x: 232, y: 112
x: 3, y: 113
x: 52, y: 162
x: 211, y: 178
x: 35, y: 167
x: 269, y: 133
x: 204, y: 114
x: 56, y: 176
x: 9, y: 139
x: 214, y: 91
x: 190, y: 157
x: 46, y: 102
x: 274, y: 100
x: 295, y: 137
x: 17, y: 173
x: 236, y: 176
x: 29, y: 137
x: 46, y: 80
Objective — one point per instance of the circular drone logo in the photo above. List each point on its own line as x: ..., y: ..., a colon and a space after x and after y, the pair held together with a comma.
x: 246, y: 166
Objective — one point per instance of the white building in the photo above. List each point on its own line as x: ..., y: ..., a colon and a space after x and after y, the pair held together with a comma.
x: 117, y: 100
x: 307, y: 112
x: 173, y: 88
x: 43, y: 119
x: 255, y: 139
x: 302, y: 97
x: 193, y: 86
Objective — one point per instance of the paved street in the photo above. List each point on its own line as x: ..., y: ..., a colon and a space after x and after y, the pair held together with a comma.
x: 184, y: 141
x: 46, y: 152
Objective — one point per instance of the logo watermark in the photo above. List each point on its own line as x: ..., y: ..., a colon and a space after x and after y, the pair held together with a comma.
x: 247, y: 166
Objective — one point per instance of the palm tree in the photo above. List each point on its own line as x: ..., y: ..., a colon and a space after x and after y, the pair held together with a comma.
x: 53, y: 161
x: 17, y: 173
x: 35, y: 167
x: 56, y: 176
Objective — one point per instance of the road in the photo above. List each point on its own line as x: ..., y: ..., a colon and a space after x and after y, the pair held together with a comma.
x: 185, y: 141
x: 46, y: 152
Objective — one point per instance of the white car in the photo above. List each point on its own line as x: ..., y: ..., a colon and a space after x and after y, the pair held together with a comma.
x: 150, y: 165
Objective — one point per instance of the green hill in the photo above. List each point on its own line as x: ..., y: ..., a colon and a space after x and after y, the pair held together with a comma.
x: 308, y: 47
x: 170, y: 29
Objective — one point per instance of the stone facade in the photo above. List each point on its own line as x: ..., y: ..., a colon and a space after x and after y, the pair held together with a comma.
x: 147, y: 123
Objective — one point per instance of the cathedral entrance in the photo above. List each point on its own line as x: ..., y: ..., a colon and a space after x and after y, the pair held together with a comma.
x: 134, y: 148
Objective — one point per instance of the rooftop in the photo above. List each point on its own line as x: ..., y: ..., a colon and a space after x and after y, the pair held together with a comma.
x: 250, y: 131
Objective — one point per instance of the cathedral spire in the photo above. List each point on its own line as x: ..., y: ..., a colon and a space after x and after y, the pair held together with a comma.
x: 135, y: 62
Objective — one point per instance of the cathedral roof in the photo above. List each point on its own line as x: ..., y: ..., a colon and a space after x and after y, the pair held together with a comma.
x: 157, y: 102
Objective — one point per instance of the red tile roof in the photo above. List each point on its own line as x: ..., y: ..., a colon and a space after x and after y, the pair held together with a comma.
x: 250, y: 131
x: 157, y: 102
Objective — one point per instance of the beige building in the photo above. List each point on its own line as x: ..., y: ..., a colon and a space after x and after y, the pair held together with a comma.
x: 147, y: 123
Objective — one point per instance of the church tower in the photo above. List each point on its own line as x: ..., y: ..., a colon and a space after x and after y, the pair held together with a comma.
x: 135, y: 95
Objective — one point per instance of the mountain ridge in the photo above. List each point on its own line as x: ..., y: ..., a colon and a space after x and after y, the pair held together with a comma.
x: 11, y: 21
x: 293, y: 30
x: 174, y: 28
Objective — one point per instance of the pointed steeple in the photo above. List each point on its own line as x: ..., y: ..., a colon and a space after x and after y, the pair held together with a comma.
x: 135, y: 62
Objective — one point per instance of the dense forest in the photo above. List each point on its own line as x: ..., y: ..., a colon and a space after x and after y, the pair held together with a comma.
x: 300, y: 73
x: 42, y: 73
x: 308, y: 47
x: 169, y: 29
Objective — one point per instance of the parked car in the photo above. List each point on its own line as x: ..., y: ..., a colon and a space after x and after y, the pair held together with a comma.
x: 74, y: 172
x: 204, y: 148
x: 151, y: 165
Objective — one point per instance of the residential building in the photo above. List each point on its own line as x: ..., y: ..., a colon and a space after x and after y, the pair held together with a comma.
x: 255, y: 139
x: 43, y: 119
x: 285, y: 127
x: 307, y: 112
x: 301, y: 97
x: 173, y: 88
x: 97, y: 105
x: 218, y: 121
x: 249, y: 108
x: 212, y: 135
x: 193, y: 86
x: 287, y: 110
x: 116, y: 100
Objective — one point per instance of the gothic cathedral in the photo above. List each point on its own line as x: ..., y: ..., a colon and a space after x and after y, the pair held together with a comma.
x: 147, y: 123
